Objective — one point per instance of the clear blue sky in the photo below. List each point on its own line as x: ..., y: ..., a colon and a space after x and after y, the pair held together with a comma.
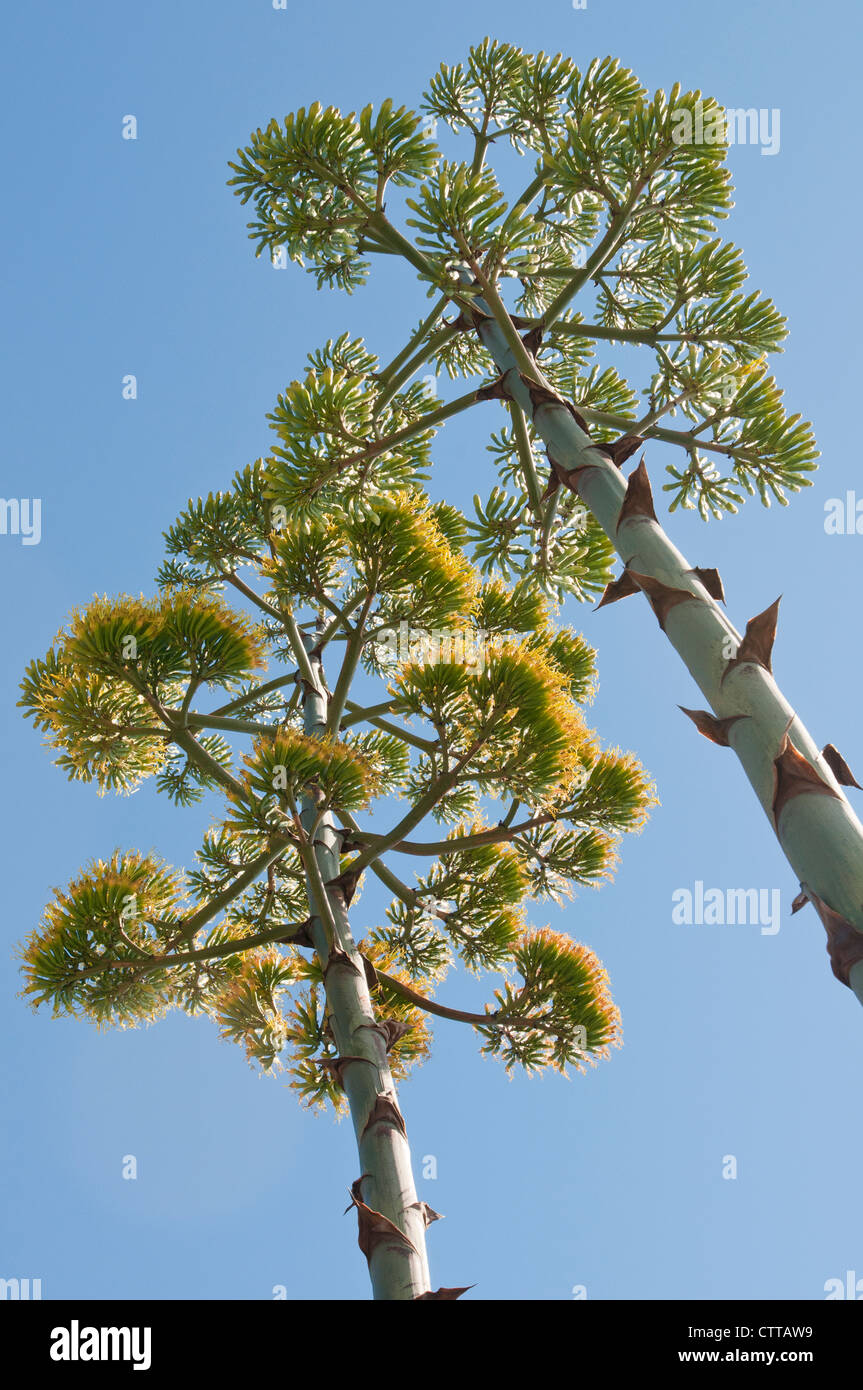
x: 131, y: 257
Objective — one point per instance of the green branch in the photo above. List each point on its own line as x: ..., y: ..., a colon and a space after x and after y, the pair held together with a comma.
x: 435, y: 793
x: 501, y: 1019
x: 415, y: 341
x: 166, y: 962
x: 441, y: 848
x: 240, y: 726
x: 602, y: 253
x: 277, y: 846
x: 369, y: 717
x: 205, y: 760
x: 429, y: 349
x: 256, y: 694
x: 392, y: 441
x: 685, y: 439
x: 526, y: 459
x: 254, y: 598
x: 350, y: 661
x: 359, y: 713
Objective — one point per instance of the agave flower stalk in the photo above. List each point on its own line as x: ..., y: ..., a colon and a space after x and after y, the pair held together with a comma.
x: 122, y: 696
x: 798, y: 785
x: 624, y: 201
x: 392, y: 1221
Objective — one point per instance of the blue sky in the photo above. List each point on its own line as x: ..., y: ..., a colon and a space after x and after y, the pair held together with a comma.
x: 131, y: 257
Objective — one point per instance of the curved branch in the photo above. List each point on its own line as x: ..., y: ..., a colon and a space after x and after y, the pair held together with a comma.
x: 464, y: 842
x: 165, y: 962
x: 500, y: 1019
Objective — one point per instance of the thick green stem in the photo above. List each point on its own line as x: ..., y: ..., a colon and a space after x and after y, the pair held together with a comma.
x: 396, y: 1254
x: 814, y: 823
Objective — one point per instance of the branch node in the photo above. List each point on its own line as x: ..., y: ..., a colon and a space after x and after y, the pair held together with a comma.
x: 533, y: 340
x: 385, y: 1112
x: 638, y: 501
x: 375, y: 1229
x: 390, y: 1029
x: 619, y: 450
x: 757, y: 644
x: 795, y: 776
x: 299, y: 936
x: 336, y: 1066
x: 338, y: 958
x: 661, y: 596
x: 347, y: 881
x: 844, y: 940
x: 428, y: 1213
x: 496, y: 390
x: 617, y: 589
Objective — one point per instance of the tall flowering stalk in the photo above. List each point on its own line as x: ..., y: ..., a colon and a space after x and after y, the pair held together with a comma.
x: 482, y: 713
x: 612, y: 240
